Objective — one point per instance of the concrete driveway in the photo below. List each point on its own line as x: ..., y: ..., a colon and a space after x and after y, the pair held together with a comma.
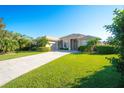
x: 13, y: 68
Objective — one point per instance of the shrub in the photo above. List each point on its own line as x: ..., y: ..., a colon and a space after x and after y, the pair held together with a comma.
x: 43, y: 49
x: 82, y: 48
x: 63, y: 48
x: 105, y: 49
x: 34, y: 48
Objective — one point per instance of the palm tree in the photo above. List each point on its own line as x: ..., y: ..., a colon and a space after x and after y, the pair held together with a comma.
x: 23, y: 40
x: 1, y: 24
x: 92, y: 43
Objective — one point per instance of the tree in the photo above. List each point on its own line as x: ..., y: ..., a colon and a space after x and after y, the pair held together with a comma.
x: 42, y: 41
x: 24, y: 41
x: 1, y: 24
x: 117, y: 30
x: 112, y: 41
x: 7, y: 43
x: 92, y: 43
x: 11, y: 41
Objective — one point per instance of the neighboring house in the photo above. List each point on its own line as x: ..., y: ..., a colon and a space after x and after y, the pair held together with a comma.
x: 71, y: 42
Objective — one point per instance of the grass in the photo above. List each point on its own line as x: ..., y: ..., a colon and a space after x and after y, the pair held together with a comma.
x: 73, y: 70
x: 17, y: 54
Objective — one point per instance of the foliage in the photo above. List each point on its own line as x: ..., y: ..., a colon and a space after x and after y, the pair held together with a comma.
x: 12, y: 41
x: 91, y: 44
x: 41, y: 41
x: 117, y: 30
x: 82, y: 48
x: 112, y: 41
x: 34, y: 48
x: 105, y: 49
x: 24, y: 41
x: 73, y: 70
x: 63, y: 48
x: 7, y: 43
x: 43, y: 49
x: 2, y: 26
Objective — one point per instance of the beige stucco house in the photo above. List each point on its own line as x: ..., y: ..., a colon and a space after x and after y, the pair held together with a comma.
x: 70, y: 42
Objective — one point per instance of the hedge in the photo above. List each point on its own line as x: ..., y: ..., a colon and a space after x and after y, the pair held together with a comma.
x: 82, y: 48
x: 43, y: 49
x: 105, y: 49
x: 63, y: 48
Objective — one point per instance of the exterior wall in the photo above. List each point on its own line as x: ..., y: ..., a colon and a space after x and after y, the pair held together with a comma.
x: 82, y: 42
x: 66, y: 43
x: 50, y: 44
x: 53, y: 45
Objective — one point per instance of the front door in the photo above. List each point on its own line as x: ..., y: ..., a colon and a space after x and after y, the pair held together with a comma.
x: 74, y: 44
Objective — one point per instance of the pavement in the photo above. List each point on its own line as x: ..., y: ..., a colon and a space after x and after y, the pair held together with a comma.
x: 13, y: 68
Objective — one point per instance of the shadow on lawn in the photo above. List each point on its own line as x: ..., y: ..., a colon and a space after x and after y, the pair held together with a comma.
x: 106, y: 78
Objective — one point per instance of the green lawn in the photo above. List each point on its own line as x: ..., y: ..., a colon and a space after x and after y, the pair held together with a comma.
x: 73, y: 70
x: 16, y: 55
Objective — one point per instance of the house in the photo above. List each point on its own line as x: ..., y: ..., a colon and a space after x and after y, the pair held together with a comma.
x: 53, y: 43
x: 70, y: 42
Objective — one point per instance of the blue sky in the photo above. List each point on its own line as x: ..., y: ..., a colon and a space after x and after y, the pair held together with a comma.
x: 58, y: 21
